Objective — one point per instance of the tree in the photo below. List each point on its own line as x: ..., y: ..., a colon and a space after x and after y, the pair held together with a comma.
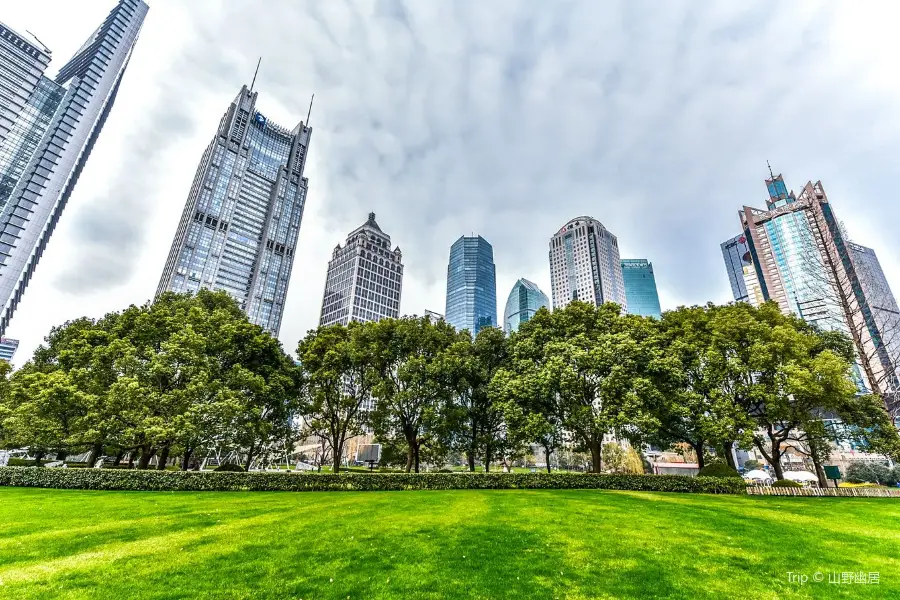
x: 613, y: 457
x: 591, y: 362
x: 688, y: 406
x: 410, y: 392
x: 477, y: 420
x: 339, y: 377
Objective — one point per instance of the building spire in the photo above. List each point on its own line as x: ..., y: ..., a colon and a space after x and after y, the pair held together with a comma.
x: 771, y: 174
x: 309, y: 112
x: 255, y: 73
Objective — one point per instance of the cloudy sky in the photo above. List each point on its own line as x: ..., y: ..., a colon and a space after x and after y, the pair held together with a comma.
x: 500, y: 118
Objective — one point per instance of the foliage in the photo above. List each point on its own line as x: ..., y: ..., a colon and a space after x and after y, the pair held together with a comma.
x: 787, y: 483
x: 718, y: 469
x: 229, y: 468
x: 183, y: 372
x: 613, y: 457
x: 869, y: 472
x: 113, y: 479
x: 752, y: 464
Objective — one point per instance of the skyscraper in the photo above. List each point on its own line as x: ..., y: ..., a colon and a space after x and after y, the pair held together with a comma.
x: 238, y: 231
x: 640, y: 287
x: 525, y: 299
x: 24, y: 62
x: 585, y: 264
x: 8, y: 347
x: 803, y: 261
x: 365, y: 278
x: 50, y: 141
x: 471, y: 285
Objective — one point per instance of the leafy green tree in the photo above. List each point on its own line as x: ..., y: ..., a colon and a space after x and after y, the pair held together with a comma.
x: 339, y: 377
x: 613, y: 457
x: 410, y: 390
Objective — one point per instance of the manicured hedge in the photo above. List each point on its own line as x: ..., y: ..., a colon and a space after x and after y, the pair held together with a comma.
x: 115, y: 479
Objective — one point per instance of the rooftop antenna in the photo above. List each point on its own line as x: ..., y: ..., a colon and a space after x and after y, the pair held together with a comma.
x: 255, y: 73
x: 310, y: 109
x: 46, y: 49
x: 770, y: 170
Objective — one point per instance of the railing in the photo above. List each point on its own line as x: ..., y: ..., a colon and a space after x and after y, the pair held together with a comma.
x: 760, y: 490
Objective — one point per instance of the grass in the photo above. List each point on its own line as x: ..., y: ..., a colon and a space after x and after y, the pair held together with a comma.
x: 454, y: 544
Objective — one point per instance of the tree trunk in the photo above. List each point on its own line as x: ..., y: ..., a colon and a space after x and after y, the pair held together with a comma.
x: 131, y: 459
x: 728, y: 451
x: 547, y: 457
x: 470, y: 456
x: 249, y: 459
x: 416, y: 454
x: 61, y: 454
x: 596, y: 457
x: 817, y: 462
x: 336, y: 461
x: 186, y: 459
x: 37, y: 457
x: 119, y: 456
x: 147, y: 452
x: 163, y: 458
x: 96, y: 449
x: 409, y: 458
x: 698, y: 450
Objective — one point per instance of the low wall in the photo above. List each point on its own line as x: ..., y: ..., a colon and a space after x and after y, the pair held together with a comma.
x: 759, y: 490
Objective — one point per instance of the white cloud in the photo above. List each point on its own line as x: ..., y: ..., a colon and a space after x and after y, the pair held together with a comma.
x: 499, y: 118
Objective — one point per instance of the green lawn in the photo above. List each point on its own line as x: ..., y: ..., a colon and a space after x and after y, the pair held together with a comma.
x: 454, y: 544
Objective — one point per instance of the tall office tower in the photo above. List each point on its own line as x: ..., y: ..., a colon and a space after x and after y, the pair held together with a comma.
x: 742, y: 274
x: 49, y: 144
x: 365, y: 278
x: 238, y: 231
x: 471, y: 285
x: 803, y: 262
x: 525, y: 299
x: 641, y: 296
x: 24, y: 62
x: 884, y: 323
x: 8, y: 348
x: 585, y: 264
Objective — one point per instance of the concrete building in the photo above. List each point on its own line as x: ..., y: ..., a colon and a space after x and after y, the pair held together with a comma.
x: 238, y: 231
x: 471, y: 285
x: 525, y: 299
x: 641, y: 296
x: 51, y: 139
x: 365, y: 278
x: 585, y: 264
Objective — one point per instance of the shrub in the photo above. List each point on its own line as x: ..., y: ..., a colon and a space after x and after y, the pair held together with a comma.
x: 787, y: 483
x: 115, y: 479
x: 718, y: 470
x: 229, y: 468
x: 868, y: 472
x: 752, y: 464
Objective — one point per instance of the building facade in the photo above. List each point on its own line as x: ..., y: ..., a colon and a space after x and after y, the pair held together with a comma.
x: 22, y: 64
x: 49, y: 143
x: 585, y: 264
x: 365, y: 278
x: 525, y: 299
x: 239, y: 228
x: 8, y: 347
x: 803, y: 260
x: 641, y: 296
x: 471, y: 285
x: 742, y: 274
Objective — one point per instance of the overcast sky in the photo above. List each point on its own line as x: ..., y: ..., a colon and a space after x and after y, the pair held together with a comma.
x: 505, y: 119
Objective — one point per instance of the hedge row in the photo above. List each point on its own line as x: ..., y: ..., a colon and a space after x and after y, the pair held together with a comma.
x: 115, y: 479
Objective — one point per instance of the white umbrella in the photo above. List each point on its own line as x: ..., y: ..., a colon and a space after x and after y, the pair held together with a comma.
x: 757, y: 474
x: 800, y: 476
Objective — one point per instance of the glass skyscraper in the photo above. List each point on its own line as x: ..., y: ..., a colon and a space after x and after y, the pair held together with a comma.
x: 51, y: 138
x: 640, y: 287
x: 471, y: 285
x: 585, y: 264
x: 23, y: 64
x: 525, y: 299
x: 802, y: 260
x: 239, y: 228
